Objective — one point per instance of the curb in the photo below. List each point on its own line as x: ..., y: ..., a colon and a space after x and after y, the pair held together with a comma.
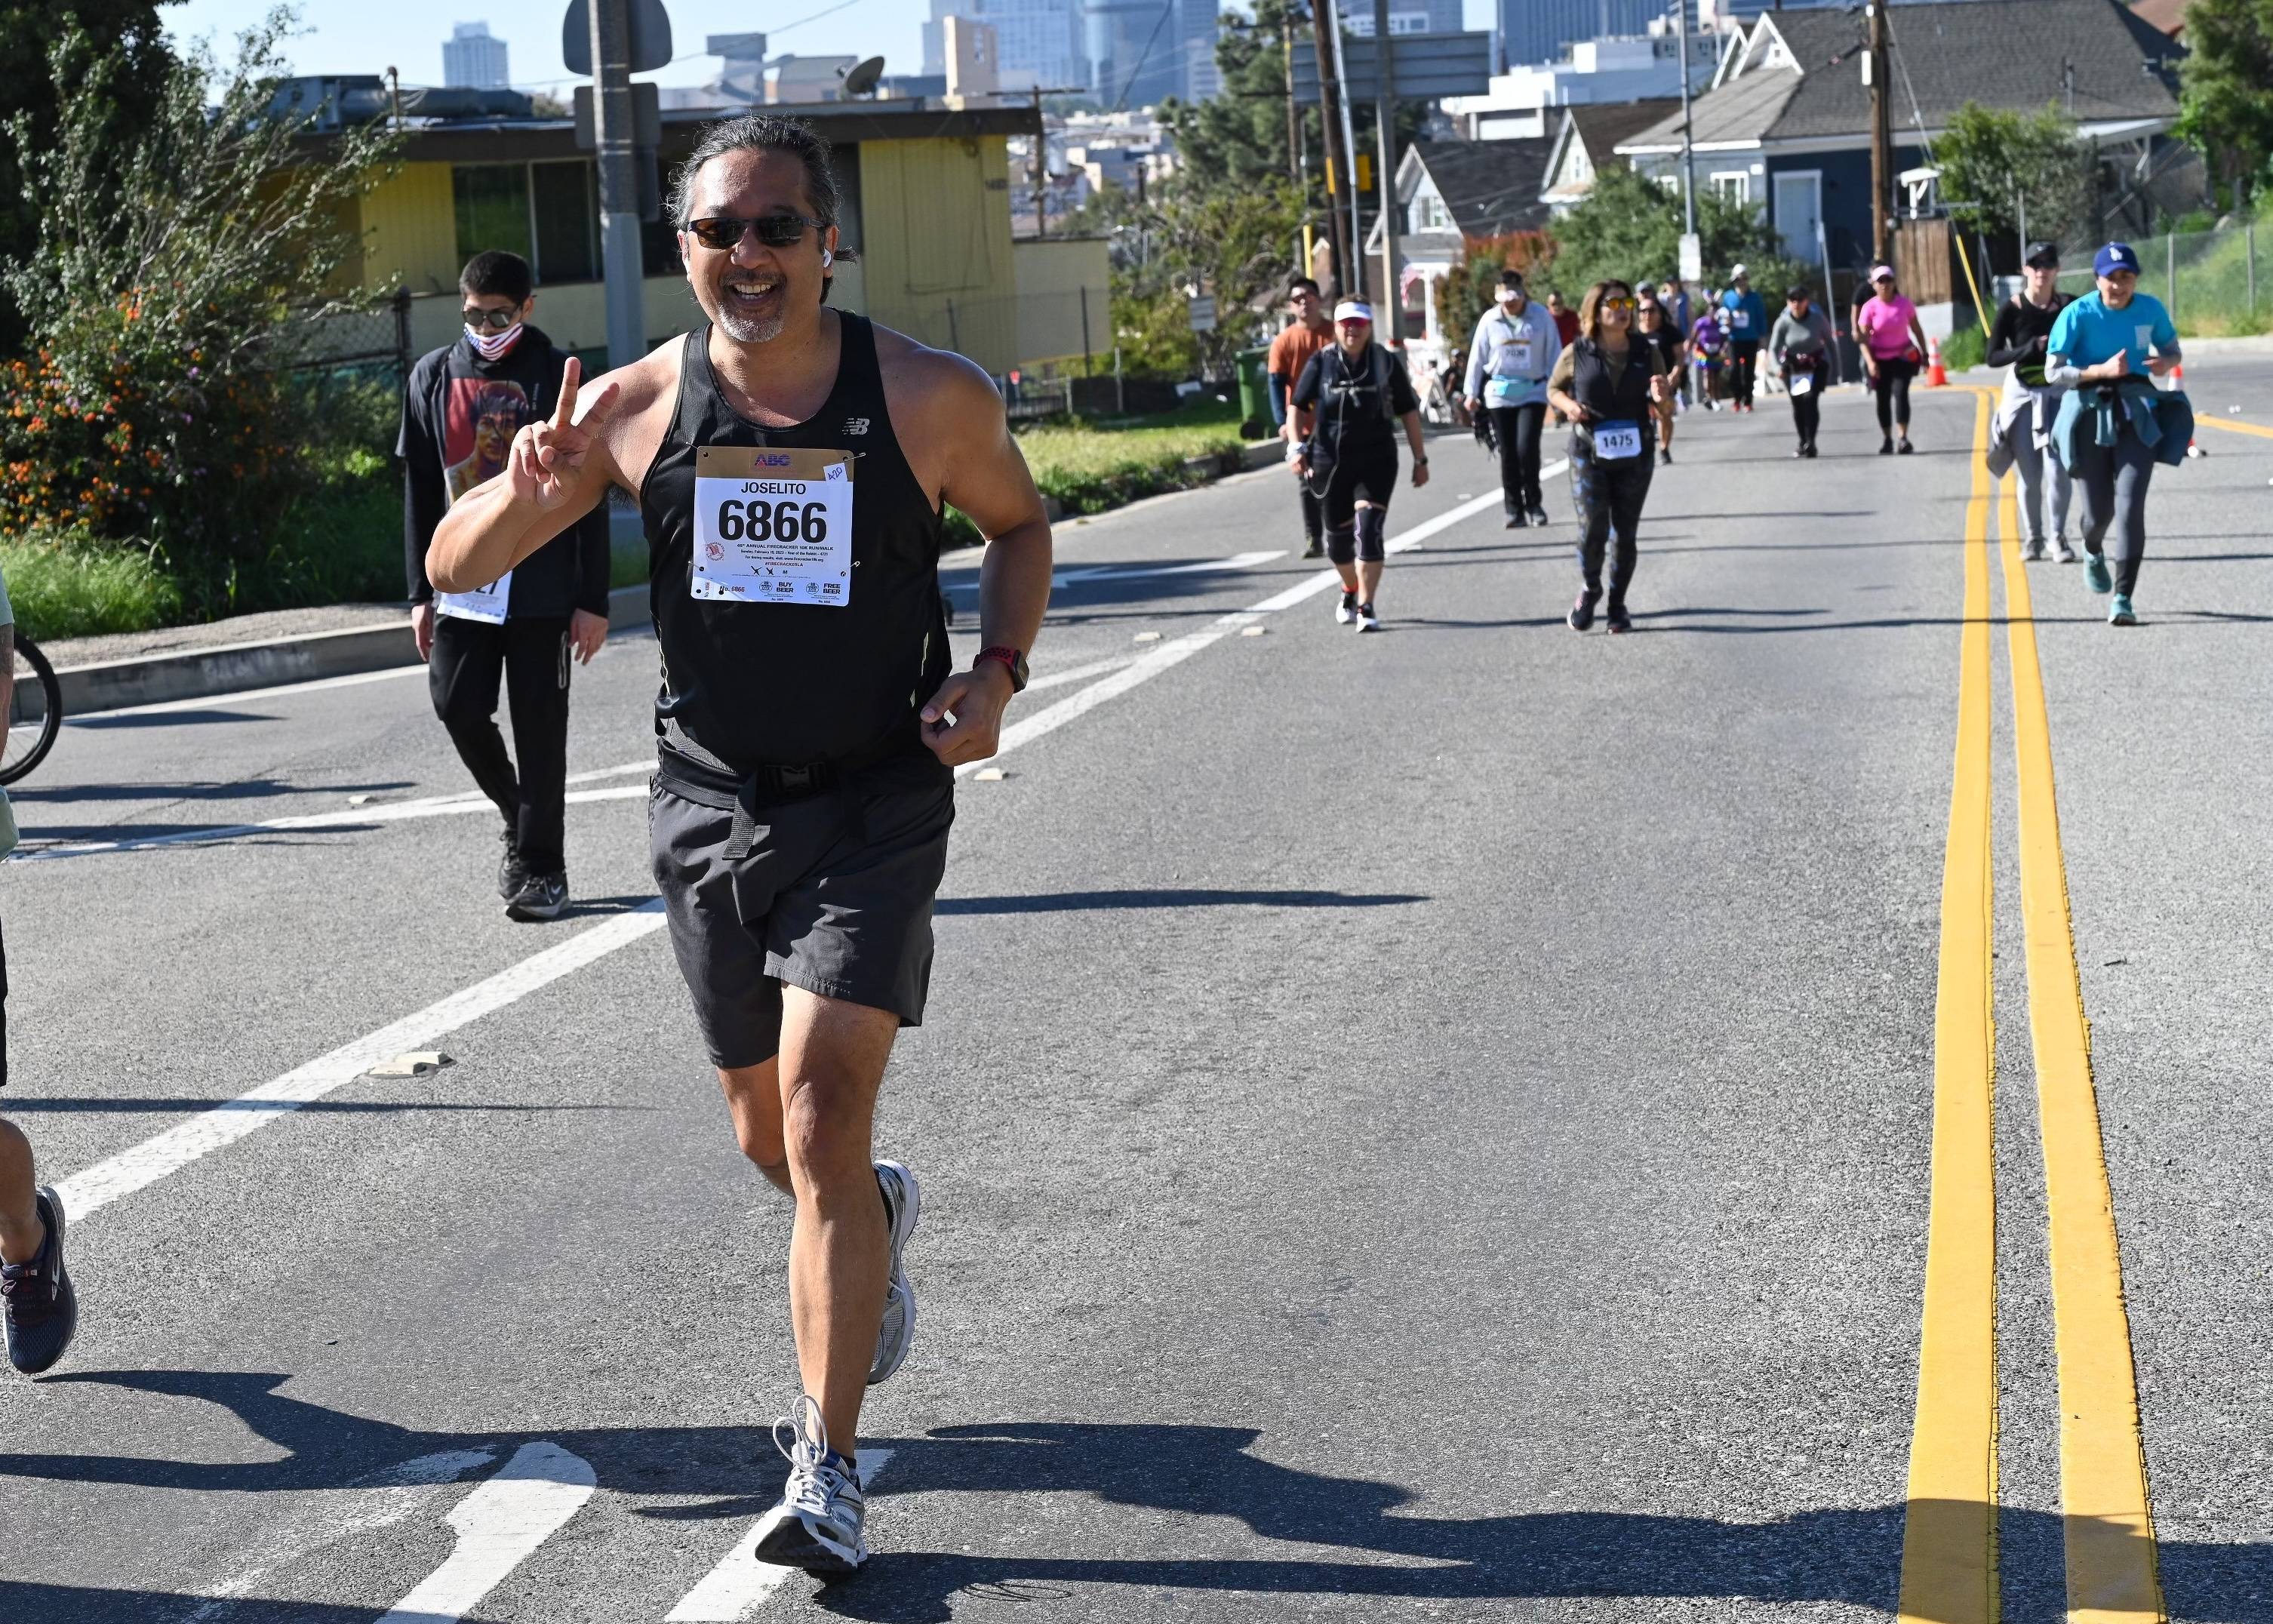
x: 310, y: 657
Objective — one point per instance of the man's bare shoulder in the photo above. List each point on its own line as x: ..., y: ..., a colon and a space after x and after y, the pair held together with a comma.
x: 647, y: 392
x: 937, y: 389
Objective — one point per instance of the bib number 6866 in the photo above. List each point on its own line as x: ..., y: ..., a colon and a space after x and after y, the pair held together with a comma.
x: 764, y: 521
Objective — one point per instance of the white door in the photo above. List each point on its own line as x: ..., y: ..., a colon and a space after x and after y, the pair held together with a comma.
x: 1799, y: 210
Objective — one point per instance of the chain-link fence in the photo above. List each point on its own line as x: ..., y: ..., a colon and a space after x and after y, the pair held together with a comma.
x: 2212, y: 282
x: 373, y: 344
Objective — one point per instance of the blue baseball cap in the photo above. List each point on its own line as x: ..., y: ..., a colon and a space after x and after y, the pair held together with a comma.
x: 2114, y: 258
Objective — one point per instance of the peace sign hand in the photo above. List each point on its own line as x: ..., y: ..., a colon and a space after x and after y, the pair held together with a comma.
x: 548, y: 457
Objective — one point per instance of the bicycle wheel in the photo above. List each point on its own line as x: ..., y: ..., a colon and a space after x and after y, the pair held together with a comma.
x: 35, y: 712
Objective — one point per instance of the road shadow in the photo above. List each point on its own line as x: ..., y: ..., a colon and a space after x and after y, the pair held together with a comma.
x: 1365, y: 1537
x: 166, y: 718
x: 582, y: 907
x: 1082, y: 901
x: 24, y: 1105
x: 242, y: 789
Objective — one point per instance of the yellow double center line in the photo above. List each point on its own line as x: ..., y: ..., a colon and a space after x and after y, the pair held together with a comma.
x: 1949, y: 1546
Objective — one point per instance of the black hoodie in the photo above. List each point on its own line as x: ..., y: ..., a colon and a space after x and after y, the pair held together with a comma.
x: 459, y: 413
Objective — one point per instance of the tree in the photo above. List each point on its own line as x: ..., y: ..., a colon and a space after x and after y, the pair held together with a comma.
x: 2225, y: 87
x: 1628, y: 227
x: 2000, y: 170
x: 29, y: 30
x: 1231, y: 245
x: 176, y: 267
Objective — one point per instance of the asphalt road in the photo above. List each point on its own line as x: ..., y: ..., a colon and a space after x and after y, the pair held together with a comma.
x: 1433, y: 1124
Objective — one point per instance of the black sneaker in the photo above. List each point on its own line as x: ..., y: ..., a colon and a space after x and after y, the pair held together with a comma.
x: 1665, y: 459
x: 1809, y: 450
x: 512, y: 874
x: 541, y: 896
x: 1538, y: 516
x: 1317, y: 549
x: 1886, y: 448
x: 1902, y: 446
x: 42, y: 1309
x: 1582, y: 612
x: 1518, y: 520
x: 1615, y: 619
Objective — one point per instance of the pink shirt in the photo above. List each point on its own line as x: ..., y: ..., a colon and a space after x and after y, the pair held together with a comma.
x: 1886, y: 325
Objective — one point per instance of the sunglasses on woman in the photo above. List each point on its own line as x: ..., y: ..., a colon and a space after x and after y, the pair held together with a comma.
x: 723, y: 231
x: 1625, y: 304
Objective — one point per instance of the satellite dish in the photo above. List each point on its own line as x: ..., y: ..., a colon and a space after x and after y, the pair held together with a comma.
x: 860, y: 79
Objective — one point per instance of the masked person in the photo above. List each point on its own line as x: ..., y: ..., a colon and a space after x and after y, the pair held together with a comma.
x: 790, y: 462
x: 2108, y: 348
x: 1747, y: 319
x: 2020, y: 339
x: 1290, y: 352
x: 1357, y: 392
x: 1800, y: 347
x: 1515, y: 348
x: 1609, y: 387
x: 461, y: 410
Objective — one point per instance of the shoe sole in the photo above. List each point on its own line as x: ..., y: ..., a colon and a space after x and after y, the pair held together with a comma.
x: 791, y: 1543
x: 63, y: 1289
x: 538, y: 914
x: 904, y: 1228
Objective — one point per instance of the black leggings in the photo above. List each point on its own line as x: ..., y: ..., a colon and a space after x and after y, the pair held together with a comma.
x: 1609, y: 497
x: 1890, y: 386
x: 462, y: 673
x: 1744, y: 363
x: 2112, y: 482
x: 1807, y: 413
x: 1517, y: 429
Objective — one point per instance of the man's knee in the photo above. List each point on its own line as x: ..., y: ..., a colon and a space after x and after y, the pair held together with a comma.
x: 1341, y: 542
x: 1371, y: 523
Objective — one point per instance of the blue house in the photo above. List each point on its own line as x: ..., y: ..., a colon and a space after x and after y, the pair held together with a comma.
x: 1785, y: 124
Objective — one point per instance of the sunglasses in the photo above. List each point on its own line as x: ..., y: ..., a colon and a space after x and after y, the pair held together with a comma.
x: 1627, y: 305
x: 495, y: 320
x: 723, y: 231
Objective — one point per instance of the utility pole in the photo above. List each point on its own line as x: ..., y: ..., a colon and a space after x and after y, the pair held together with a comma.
x: 1384, y: 131
x: 1882, y: 139
x: 1298, y: 164
x: 1041, y: 164
x: 1349, y: 146
x: 620, y: 219
x: 1688, y: 150
x: 1341, y: 178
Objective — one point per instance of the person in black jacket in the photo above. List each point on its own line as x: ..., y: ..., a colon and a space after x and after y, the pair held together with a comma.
x: 461, y: 410
x: 2030, y: 403
x: 1610, y: 387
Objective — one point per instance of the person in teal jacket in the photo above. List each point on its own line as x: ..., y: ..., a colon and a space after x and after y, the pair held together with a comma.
x: 2109, y: 346
x: 1748, y: 330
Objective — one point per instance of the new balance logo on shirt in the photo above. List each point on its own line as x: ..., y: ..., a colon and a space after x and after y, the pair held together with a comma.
x: 856, y: 425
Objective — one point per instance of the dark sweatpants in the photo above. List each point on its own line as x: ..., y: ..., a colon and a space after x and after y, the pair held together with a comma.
x: 2112, y: 483
x: 1807, y: 415
x: 1610, y: 497
x: 1744, y: 363
x: 1515, y: 430
x: 462, y: 675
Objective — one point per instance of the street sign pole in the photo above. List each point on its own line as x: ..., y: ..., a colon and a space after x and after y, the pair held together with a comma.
x: 620, y: 219
x: 1385, y: 122
x: 1350, y: 273
x: 1341, y: 174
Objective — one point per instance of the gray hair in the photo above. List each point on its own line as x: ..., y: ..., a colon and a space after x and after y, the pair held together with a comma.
x: 761, y: 132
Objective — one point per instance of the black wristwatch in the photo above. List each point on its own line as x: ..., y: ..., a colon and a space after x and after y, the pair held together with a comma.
x: 1420, y: 462
x: 1012, y: 660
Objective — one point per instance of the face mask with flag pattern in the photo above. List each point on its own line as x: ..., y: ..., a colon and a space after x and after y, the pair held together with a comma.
x: 494, y: 346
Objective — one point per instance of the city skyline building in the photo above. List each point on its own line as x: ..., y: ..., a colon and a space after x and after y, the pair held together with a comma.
x: 474, y: 59
x: 1040, y: 40
x: 1532, y: 32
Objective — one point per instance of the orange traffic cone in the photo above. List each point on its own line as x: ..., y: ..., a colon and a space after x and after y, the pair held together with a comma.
x: 1936, y: 375
x: 2179, y: 381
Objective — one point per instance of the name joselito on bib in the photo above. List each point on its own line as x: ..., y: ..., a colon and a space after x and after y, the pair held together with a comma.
x: 773, y: 525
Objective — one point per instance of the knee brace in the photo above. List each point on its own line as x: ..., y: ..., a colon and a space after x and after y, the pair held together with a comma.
x: 1341, y: 544
x: 1369, y: 523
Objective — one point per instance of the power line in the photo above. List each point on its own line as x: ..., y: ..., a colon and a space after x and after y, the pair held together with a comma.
x: 1167, y: 6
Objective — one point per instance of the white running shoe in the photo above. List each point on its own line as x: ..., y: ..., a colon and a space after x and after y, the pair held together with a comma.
x: 2062, y: 552
x: 903, y: 1200
x: 1346, y: 611
x: 1367, y: 620
x: 818, y: 1524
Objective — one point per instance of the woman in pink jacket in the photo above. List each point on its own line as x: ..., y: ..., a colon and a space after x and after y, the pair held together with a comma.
x: 1893, y: 343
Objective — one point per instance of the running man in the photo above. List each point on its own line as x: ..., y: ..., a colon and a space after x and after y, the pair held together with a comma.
x: 1290, y: 353
x: 1515, y: 348
x: 1800, y: 347
x: 789, y: 462
x: 2019, y: 338
x: 1356, y: 394
x: 2108, y: 347
x: 38, y: 1306
x: 1748, y: 329
x: 1608, y: 386
x: 1893, y: 343
x: 461, y: 410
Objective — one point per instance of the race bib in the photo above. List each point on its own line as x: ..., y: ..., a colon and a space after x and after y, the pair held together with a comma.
x: 773, y: 525
x: 1740, y: 320
x: 1517, y: 353
x: 1801, y: 383
x: 1615, y: 441
x: 485, y: 603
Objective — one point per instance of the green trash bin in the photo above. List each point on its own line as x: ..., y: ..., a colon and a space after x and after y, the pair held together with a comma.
x: 1254, y: 394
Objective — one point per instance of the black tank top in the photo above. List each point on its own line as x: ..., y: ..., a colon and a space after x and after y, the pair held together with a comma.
x: 748, y: 685
x: 1625, y: 400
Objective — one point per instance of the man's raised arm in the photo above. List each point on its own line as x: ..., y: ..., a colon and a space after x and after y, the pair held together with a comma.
x: 557, y: 471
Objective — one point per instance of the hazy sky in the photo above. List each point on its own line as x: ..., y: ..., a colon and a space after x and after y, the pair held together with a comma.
x: 365, y: 36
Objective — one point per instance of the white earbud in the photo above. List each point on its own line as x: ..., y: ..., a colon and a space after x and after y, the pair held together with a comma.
x: 828, y: 256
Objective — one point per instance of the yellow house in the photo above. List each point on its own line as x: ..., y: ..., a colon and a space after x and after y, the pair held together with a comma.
x: 926, y: 202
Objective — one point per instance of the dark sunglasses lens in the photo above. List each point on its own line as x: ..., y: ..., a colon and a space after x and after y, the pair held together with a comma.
x: 779, y: 230
x: 721, y: 233
x: 496, y: 320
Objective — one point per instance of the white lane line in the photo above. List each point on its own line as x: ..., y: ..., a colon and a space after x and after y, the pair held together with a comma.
x: 144, y: 1164
x: 499, y: 1525
x: 381, y: 1500
x: 733, y: 1589
x: 1177, y: 651
x: 1078, y: 673
x: 353, y: 817
x: 1106, y: 571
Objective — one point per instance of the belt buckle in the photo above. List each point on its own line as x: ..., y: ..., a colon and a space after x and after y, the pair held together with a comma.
x: 797, y: 781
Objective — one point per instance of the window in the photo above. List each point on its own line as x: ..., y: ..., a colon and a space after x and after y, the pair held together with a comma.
x: 492, y: 208
x: 1430, y: 214
x: 1734, y: 186
x: 567, y: 218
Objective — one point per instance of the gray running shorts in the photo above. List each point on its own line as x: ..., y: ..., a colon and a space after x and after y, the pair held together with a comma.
x: 835, y: 897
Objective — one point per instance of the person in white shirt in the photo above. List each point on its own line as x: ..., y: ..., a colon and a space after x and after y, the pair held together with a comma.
x: 1515, y: 347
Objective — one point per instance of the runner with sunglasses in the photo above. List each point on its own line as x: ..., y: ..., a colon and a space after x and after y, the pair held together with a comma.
x: 1892, y: 342
x: 1608, y: 385
x: 461, y: 410
x: 790, y: 462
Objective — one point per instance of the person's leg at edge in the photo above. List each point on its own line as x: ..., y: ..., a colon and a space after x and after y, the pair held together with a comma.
x: 536, y: 690
x: 805, y: 1119
x: 22, y: 1234
x: 2133, y: 466
x: 462, y: 675
x: 1506, y: 429
x: 1314, y: 523
x: 1530, y: 422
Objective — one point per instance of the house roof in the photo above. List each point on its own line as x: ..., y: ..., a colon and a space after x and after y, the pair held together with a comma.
x: 1596, y: 129
x: 1945, y: 55
x: 2164, y: 16
x: 1491, y: 187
